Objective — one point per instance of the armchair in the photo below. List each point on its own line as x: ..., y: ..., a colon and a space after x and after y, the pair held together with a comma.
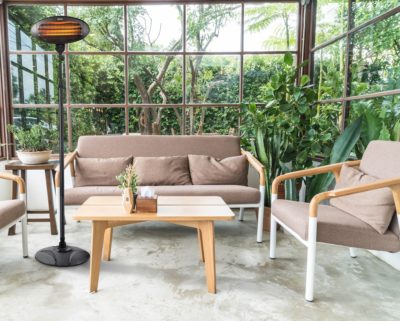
x: 11, y: 211
x: 312, y: 223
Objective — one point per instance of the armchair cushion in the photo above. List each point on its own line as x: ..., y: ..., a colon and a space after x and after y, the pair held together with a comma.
x: 10, y: 211
x: 375, y: 207
x: 99, y: 171
x: 334, y: 226
x: 163, y: 170
x: 206, y: 170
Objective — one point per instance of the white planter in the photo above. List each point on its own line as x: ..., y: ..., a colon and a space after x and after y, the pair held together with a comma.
x: 33, y: 158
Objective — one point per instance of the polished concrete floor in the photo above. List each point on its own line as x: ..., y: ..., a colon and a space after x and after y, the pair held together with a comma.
x: 155, y: 274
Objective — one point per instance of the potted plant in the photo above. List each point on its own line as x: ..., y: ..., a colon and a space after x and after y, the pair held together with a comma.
x: 128, y: 184
x: 32, y: 144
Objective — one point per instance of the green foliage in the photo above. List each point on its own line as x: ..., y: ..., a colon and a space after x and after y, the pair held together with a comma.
x: 35, y: 139
x: 288, y: 131
x: 128, y: 179
x: 341, y: 150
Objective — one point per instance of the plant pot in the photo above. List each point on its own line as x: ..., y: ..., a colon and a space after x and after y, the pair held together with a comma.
x: 129, y: 200
x: 33, y: 158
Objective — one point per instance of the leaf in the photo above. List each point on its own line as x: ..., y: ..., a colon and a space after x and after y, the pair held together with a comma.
x: 384, y: 133
x: 288, y: 59
x: 396, y: 131
x: 304, y: 80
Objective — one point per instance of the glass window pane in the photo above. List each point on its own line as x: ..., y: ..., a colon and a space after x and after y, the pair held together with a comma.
x: 34, y: 79
x: 376, y: 60
x: 97, y: 79
x: 270, y: 26
x: 155, y: 28
x: 155, y: 79
x: 21, y: 19
x: 213, y: 27
x: 329, y: 65
x: 45, y: 117
x: 96, y: 121
x: 365, y: 10
x: 156, y: 121
x: 258, y: 70
x: 212, y: 79
x: 106, y: 28
x: 331, y: 19
x: 212, y: 120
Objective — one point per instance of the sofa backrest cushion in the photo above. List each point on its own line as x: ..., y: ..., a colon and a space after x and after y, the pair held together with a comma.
x: 170, y: 170
x: 381, y: 159
x: 206, y: 170
x: 99, y: 171
x: 154, y: 146
x: 375, y: 207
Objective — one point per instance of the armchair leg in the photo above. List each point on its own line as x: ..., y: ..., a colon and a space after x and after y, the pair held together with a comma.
x: 272, y: 238
x: 311, y: 254
x: 260, y: 224
x: 241, y: 214
x: 353, y: 252
x: 24, y: 223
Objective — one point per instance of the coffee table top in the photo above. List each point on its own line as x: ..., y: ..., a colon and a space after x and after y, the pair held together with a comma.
x: 169, y: 208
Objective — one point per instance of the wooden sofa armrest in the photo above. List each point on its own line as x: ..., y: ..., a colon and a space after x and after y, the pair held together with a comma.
x: 68, y: 161
x: 393, y: 184
x: 332, y: 168
x: 257, y: 166
x: 14, y: 178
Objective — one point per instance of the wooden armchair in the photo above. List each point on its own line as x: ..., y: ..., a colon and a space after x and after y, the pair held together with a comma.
x: 312, y: 223
x: 11, y: 211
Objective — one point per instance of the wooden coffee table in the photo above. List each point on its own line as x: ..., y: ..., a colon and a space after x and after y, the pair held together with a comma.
x: 199, y: 212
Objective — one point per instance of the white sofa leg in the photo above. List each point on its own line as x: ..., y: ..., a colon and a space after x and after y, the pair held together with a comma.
x: 353, y: 252
x: 24, y: 223
x: 272, y: 234
x: 260, y: 224
x: 311, y: 254
x: 241, y: 214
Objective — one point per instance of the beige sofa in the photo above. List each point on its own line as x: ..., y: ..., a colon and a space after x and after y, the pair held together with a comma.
x: 98, y: 149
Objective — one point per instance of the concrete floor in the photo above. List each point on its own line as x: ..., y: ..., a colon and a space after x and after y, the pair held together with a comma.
x: 155, y: 274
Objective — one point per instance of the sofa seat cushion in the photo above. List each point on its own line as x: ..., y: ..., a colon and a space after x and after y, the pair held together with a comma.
x: 163, y: 170
x: 334, y: 226
x: 10, y: 211
x: 207, y: 170
x: 78, y: 195
x: 231, y: 194
x: 100, y: 171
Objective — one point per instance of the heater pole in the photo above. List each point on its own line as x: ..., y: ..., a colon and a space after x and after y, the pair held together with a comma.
x: 60, y: 50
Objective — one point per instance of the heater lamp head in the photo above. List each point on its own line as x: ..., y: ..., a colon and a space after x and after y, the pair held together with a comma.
x: 60, y: 30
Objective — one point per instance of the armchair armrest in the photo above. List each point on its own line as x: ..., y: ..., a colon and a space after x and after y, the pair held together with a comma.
x: 257, y: 166
x: 68, y: 161
x: 332, y: 168
x: 393, y: 184
x: 14, y: 178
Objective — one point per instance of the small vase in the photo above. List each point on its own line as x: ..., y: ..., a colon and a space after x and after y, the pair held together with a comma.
x: 129, y: 200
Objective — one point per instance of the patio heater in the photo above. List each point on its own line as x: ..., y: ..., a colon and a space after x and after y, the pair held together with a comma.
x: 59, y: 30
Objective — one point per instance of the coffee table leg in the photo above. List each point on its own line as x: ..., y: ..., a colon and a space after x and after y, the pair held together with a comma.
x: 200, y: 240
x: 207, y: 233
x: 98, y: 229
x: 107, y: 244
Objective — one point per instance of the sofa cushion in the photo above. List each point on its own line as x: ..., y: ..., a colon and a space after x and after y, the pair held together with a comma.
x: 207, y: 170
x: 375, y: 207
x: 231, y: 194
x: 99, y: 171
x: 154, y: 145
x: 334, y: 226
x: 10, y: 211
x: 172, y: 170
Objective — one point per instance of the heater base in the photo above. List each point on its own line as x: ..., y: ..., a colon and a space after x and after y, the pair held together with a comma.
x: 54, y: 256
